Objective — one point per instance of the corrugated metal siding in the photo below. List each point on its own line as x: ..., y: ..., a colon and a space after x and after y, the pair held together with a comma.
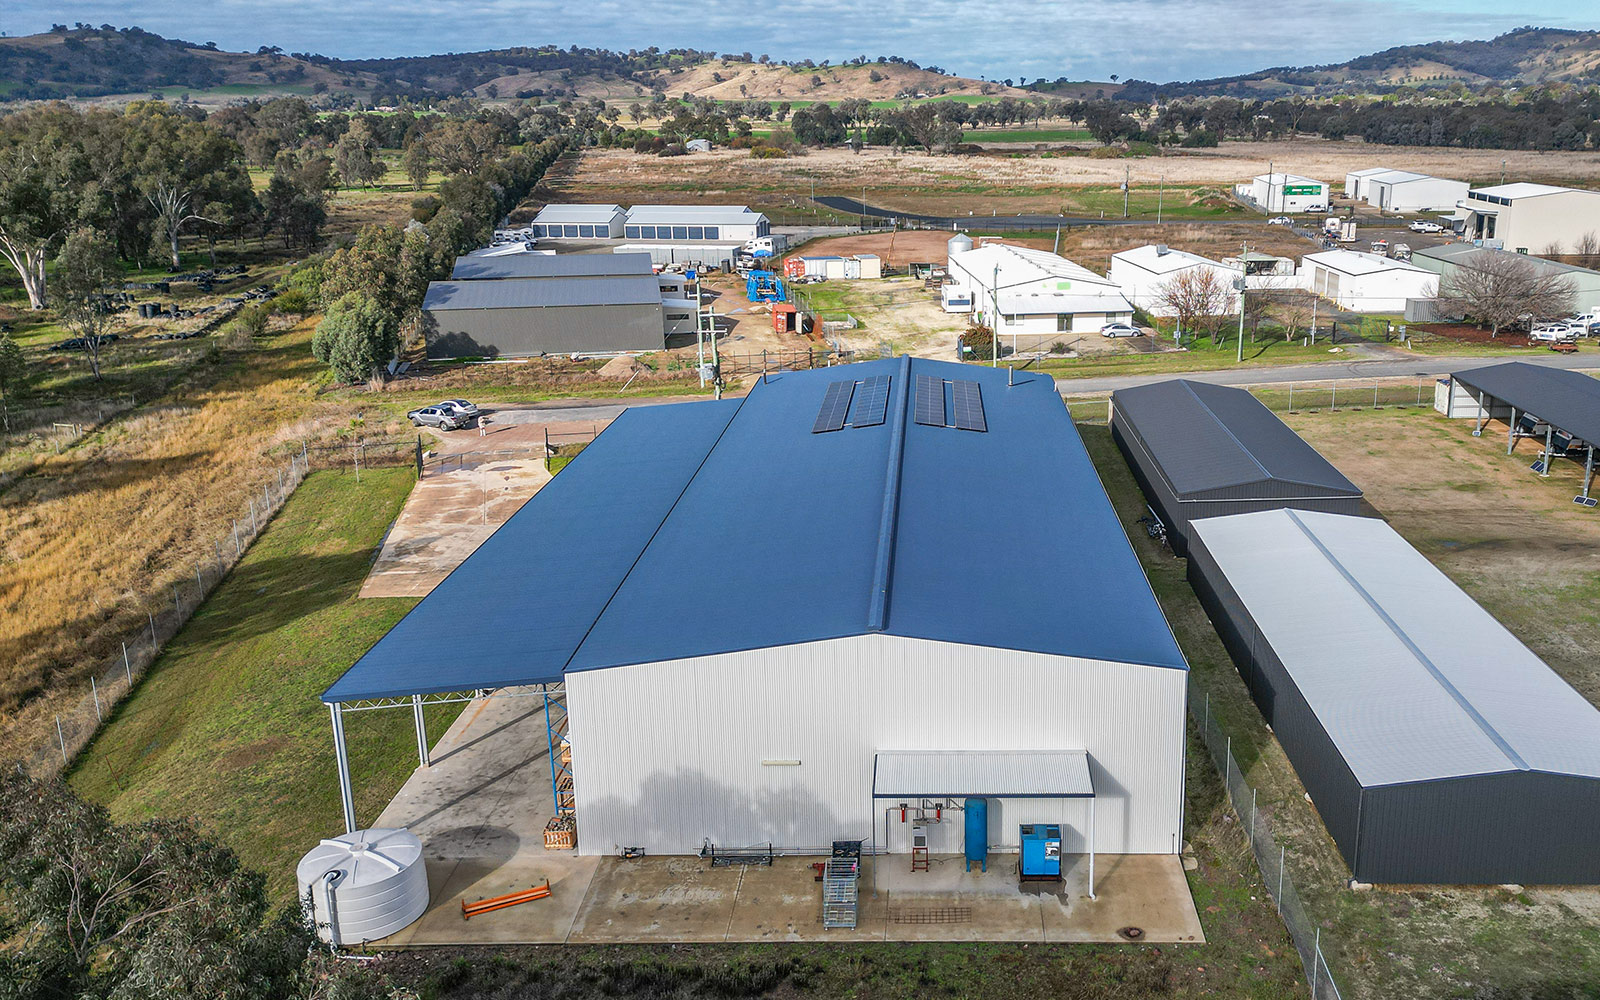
x: 1316, y: 760
x: 944, y: 773
x: 514, y: 332
x: 1522, y: 827
x: 668, y: 754
x: 1157, y: 491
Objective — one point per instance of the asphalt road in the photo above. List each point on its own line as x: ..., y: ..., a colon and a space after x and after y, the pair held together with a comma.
x: 851, y: 205
x: 1323, y: 371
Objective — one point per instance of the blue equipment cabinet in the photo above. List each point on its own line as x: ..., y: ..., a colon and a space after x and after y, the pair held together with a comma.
x: 977, y: 832
x: 1041, y: 851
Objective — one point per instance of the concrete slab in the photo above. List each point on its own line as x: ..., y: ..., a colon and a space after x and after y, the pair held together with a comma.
x: 658, y: 899
x: 1147, y: 891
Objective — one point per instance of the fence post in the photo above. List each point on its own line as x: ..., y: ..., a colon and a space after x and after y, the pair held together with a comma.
x: 199, y: 583
x: 1227, y: 770
x: 1315, y: 962
x: 1291, y: 397
x: 1419, y: 391
x: 126, y: 665
x: 238, y: 550
x: 1282, y: 854
x: 152, y: 615
x: 253, y: 528
x: 62, y: 737
x: 94, y: 689
x: 1333, y: 400
x: 1252, y: 817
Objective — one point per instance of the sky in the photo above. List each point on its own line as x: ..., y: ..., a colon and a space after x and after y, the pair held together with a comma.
x: 1158, y: 40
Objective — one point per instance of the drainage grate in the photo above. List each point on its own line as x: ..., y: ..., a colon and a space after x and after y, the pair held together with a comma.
x: 930, y: 915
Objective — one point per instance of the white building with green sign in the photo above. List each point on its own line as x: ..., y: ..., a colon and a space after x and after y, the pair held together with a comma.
x: 1286, y: 194
x: 1034, y: 298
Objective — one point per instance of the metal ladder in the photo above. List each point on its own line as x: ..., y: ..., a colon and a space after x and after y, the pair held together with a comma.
x: 840, y: 893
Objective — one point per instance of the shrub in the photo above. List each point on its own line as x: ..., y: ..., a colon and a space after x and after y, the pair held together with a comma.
x: 425, y: 207
x: 767, y: 153
x: 292, y: 301
x: 1199, y: 138
x: 356, y: 338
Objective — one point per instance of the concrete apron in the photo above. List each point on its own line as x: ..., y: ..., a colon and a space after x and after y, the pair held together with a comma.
x: 480, y: 811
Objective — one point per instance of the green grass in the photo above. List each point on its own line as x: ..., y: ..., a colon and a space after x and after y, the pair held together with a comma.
x: 1201, y: 356
x: 227, y: 727
x: 1029, y: 135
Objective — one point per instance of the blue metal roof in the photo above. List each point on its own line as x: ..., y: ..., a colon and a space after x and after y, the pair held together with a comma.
x: 711, y: 527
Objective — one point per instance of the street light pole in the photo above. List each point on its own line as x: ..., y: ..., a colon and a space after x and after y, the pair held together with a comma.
x: 1244, y: 269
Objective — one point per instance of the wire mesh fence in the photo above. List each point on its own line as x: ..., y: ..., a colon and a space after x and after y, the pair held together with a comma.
x: 1304, y: 397
x: 1271, y: 855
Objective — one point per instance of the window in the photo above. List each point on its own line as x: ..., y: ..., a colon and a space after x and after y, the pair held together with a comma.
x: 647, y: 232
x: 571, y: 231
x: 632, y: 232
x: 586, y: 232
x: 538, y: 230
x: 697, y: 232
x: 711, y: 232
x: 680, y: 232
x: 1063, y: 322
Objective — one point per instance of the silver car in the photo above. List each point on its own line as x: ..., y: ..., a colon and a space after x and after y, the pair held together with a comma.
x: 1119, y: 330
x: 436, y: 416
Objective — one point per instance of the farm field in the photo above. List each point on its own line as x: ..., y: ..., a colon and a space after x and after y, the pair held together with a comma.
x: 1518, y: 546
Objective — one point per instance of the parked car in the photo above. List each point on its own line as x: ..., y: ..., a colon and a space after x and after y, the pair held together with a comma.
x: 1280, y: 220
x: 1421, y: 226
x: 436, y: 416
x: 461, y: 406
x: 1553, y: 333
x: 1120, y: 330
x: 1314, y: 209
x: 1400, y: 251
x: 1380, y: 246
x: 810, y: 279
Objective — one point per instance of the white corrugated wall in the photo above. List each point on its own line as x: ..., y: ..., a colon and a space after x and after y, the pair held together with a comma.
x: 666, y: 755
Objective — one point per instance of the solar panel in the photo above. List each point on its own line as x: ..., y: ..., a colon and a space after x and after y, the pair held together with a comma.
x: 873, y: 405
x: 968, y: 406
x: 930, y: 401
x: 834, y: 407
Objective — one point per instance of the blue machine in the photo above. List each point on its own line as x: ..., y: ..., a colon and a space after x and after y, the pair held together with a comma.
x: 977, y: 832
x: 1041, y: 851
x: 765, y: 286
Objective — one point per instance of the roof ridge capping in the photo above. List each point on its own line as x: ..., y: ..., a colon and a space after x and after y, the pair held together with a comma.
x: 1400, y: 633
x: 889, y: 522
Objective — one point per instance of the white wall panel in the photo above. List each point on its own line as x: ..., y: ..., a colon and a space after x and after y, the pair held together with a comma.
x: 666, y: 755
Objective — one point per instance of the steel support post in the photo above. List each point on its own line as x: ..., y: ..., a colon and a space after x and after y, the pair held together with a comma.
x: 342, y: 758
x: 1588, y: 472
x: 1549, y: 440
x: 422, y: 731
x: 1511, y: 434
x: 1091, y: 847
x: 1483, y: 408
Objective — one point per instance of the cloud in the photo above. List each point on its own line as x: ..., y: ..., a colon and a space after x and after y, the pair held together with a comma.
x: 1078, y: 39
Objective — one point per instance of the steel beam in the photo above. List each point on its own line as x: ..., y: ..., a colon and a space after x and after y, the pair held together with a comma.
x: 342, y: 756
x: 422, y: 731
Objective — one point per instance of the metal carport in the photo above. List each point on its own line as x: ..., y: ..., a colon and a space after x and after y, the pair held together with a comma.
x: 1564, y: 404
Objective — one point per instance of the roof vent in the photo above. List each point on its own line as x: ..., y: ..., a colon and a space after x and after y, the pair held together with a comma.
x: 1162, y: 249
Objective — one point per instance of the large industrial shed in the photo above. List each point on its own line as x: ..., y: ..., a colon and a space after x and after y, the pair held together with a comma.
x: 1436, y: 746
x: 523, y: 317
x: 774, y: 622
x: 579, y: 222
x: 693, y: 223
x: 539, y: 265
x: 1366, y: 282
x: 1201, y: 450
x: 1557, y: 408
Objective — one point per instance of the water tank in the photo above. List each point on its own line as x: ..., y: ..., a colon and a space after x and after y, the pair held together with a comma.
x: 364, y: 885
x: 977, y: 811
x: 959, y: 243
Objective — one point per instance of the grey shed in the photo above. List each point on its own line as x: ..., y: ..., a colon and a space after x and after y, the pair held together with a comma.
x: 1436, y: 746
x: 1201, y: 450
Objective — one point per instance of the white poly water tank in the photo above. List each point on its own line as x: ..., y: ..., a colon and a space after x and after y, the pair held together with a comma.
x: 364, y: 885
x: 959, y: 243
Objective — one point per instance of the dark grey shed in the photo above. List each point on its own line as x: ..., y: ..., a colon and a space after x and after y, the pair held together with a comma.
x: 1436, y: 746
x: 521, y: 317
x: 1201, y: 450
x: 550, y: 265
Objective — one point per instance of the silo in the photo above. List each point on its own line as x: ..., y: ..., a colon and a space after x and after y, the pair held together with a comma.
x: 959, y: 243
x: 364, y: 885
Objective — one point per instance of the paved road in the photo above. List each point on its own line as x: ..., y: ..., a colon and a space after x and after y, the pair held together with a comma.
x: 851, y: 205
x: 1323, y: 371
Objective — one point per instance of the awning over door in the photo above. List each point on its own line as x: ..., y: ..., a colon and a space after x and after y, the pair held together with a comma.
x: 1042, y: 774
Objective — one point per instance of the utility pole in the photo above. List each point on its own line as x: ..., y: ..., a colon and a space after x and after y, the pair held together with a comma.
x: 1126, y: 175
x: 1244, y: 268
x: 994, y: 323
x: 1269, y: 187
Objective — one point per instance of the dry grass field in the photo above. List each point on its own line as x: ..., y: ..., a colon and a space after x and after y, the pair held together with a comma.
x: 1057, y: 183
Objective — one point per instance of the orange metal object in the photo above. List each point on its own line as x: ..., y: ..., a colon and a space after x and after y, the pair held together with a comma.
x: 470, y: 910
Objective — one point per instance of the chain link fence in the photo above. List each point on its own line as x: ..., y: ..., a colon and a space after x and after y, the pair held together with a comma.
x: 1271, y: 856
x: 165, y: 613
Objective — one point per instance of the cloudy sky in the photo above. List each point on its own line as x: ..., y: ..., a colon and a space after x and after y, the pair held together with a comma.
x: 1079, y: 39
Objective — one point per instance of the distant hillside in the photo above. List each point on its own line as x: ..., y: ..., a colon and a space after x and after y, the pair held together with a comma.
x: 1524, y: 56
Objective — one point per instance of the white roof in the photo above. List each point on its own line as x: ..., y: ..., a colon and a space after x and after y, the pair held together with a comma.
x: 1411, y: 679
x: 1106, y: 300
x: 941, y: 774
x: 1398, y: 177
x: 1354, y: 262
x: 1151, y: 257
x: 1368, y: 172
x: 578, y: 213
x: 1288, y: 179
x: 1524, y: 189
x: 1024, y: 265
x: 716, y: 215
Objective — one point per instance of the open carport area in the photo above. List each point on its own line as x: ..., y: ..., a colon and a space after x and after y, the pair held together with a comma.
x: 1559, y: 409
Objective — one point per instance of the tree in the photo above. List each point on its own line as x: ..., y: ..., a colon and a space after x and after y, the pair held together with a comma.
x: 465, y: 147
x: 86, y: 265
x: 13, y: 371
x: 41, y: 179
x: 1496, y: 289
x: 356, y: 338
x: 417, y: 163
x: 1195, y: 296
x: 1587, y: 251
x: 187, y: 171
x: 293, y: 209
x: 356, y: 155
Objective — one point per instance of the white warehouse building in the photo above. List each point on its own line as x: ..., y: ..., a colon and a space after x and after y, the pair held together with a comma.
x: 1366, y: 282
x: 1144, y: 273
x: 881, y: 658
x: 1527, y: 218
x: 1402, y: 192
x: 693, y: 223
x: 1280, y: 192
x: 579, y: 222
x: 1031, y: 297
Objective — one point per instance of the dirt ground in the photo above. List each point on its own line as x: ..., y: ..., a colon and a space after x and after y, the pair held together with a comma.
x: 1467, y: 333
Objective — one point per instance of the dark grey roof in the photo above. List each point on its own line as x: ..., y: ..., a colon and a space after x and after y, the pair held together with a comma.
x: 519, y: 293
x: 1209, y: 437
x: 544, y: 265
x: 1568, y: 400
